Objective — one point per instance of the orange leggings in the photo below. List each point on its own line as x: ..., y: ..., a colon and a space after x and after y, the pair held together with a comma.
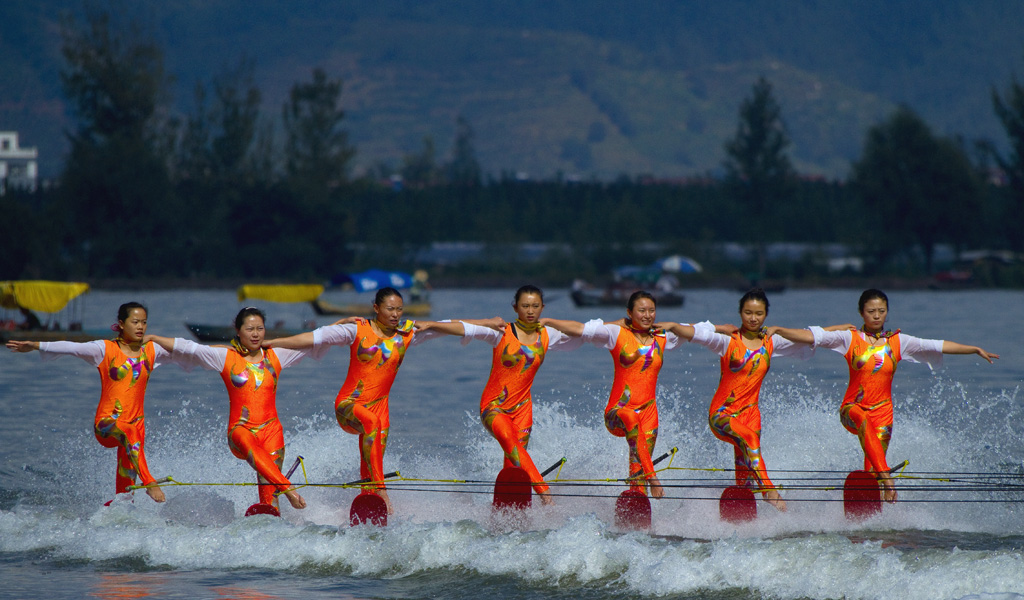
x: 370, y: 422
x: 874, y: 430
x: 743, y: 431
x: 640, y: 428
x: 129, y: 437
x: 512, y: 430
x: 262, y: 446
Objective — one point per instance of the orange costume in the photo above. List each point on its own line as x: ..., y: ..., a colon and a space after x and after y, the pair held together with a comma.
x: 866, y: 410
x: 120, y: 416
x: 734, y: 415
x: 632, y: 411
x: 254, y: 430
x: 506, y: 406
x: 361, y: 406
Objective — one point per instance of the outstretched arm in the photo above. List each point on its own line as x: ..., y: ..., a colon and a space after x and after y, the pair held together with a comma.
x: 299, y: 341
x: 448, y: 328
x: 843, y: 327
x: 22, y: 346
x: 683, y: 331
x: 573, y: 328
x: 955, y: 348
x: 164, y: 342
x: 801, y: 336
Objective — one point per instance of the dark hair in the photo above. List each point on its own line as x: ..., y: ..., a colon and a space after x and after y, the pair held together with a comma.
x: 125, y: 309
x: 756, y: 294
x: 384, y: 293
x: 248, y: 311
x: 637, y: 295
x: 528, y: 289
x: 871, y: 294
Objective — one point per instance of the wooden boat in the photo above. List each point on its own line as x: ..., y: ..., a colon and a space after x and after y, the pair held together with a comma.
x: 323, y: 307
x: 47, y: 297
x: 270, y: 293
x: 224, y: 333
x: 618, y: 293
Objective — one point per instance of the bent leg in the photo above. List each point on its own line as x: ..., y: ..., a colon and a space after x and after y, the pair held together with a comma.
x: 129, y: 439
x: 641, y: 435
x: 510, y: 439
x: 247, y: 445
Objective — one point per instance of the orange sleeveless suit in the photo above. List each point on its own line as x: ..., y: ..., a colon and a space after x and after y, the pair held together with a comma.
x: 254, y: 430
x: 632, y: 412
x: 734, y: 415
x: 361, y: 406
x: 506, y: 407
x: 120, y: 419
x: 867, y: 406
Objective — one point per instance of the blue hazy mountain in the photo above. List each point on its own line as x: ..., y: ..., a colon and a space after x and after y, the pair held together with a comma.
x: 595, y: 88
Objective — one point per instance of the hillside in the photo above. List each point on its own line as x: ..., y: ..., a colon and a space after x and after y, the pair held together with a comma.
x: 592, y: 89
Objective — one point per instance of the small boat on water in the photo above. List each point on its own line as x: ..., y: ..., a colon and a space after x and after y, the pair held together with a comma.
x: 659, y: 279
x: 270, y: 293
x: 53, y: 297
x: 417, y: 300
x: 618, y: 293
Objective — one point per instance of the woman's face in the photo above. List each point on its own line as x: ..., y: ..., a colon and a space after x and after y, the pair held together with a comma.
x: 389, y: 312
x: 529, y: 307
x: 252, y: 332
x: 642, y: 313
x: 874, y: 313
x: 753, y: 314
x: 133, y: 329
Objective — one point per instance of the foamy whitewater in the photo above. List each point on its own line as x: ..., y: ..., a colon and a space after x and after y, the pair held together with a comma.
x: 58, y: 541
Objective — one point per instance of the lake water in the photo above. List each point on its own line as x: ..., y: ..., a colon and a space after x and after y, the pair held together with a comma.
x: 58, y: 541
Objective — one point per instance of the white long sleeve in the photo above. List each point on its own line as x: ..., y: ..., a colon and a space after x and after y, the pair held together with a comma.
x: 91, y: 352
x: 912, y: 348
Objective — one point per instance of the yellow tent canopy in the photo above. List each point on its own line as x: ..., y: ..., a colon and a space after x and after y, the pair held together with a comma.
x: 281, y: 292
x: 43, y: 296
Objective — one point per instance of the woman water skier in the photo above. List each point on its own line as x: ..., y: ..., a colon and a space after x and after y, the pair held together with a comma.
x: 506, y: 406
x: 872, y: 355
x: 124, y: 364
x: 637, y: 350
x: 734, y: 415
x: 250, y: 376
x: 377, y: 350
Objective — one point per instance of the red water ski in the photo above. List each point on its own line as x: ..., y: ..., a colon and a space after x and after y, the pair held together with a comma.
x: 633, y: 510
x: 737, y: 505
x: 862, y: 497
x: 261, y: 508
x: 513, y: 489
x: 370, y: 508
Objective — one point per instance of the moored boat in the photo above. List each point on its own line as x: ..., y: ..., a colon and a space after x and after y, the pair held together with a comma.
x: 271, y: 293
x: 53, y: 297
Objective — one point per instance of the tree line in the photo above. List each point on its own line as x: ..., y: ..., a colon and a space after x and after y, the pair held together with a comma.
x: 229, y: 192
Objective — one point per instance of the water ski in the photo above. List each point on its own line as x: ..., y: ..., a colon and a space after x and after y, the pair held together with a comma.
x: 370, y: 508
x: 633, y: 510
x: 513, y: 489
x: 737, y: 505
x: 262, y: 508
x: 862, y: 496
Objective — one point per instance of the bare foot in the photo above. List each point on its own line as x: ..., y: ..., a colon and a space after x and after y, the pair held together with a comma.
x: 772, y: 497
x: 156, y: 494
x: 387, y: 501
x: 546, y: 499
x: 655, y: 487
x: 295, y: 499
x: 888, y: 489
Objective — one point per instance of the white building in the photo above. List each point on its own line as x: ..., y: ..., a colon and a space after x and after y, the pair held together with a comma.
x: 18, y: 166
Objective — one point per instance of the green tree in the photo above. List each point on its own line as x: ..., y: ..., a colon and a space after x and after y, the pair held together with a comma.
x: 463, y: 169
x: 1010, y: 110
x: 115, y: 180
x: 915, y: 188
x: 758, y: 173
x: 420, y: 169
x: 317, y: 152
